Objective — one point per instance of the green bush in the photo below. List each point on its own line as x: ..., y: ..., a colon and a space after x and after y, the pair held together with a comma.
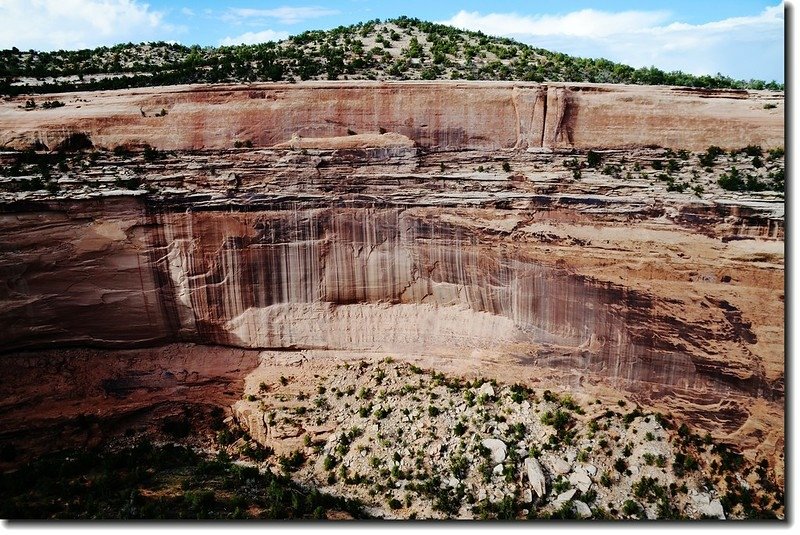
x: 732, y: 180
x: 753, y: 150
x: 621, y: 465
x: 631, y: 508
x: 150, y: 154
x: 329, y: 462
x: 593, y: 159
x: 140, y: 482
x: 459, y: 466
x: 381, y: 413
x: 293, y: 461
x: 648, y: 488
x: 565, y: 512
x: 776, y: 153
x: 710, y: 156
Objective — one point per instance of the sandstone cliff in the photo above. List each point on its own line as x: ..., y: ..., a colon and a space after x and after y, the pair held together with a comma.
x: 349, y: 226
x: 440, y: 115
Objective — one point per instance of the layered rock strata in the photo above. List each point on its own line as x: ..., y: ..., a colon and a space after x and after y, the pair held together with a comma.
x: 384, y: 242
x: 435, y: 115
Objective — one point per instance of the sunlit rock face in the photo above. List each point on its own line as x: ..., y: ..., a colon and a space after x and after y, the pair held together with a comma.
x: 435, y: 115
x: 379, y: 218
x: 367, y: 278
x: 357, y: 278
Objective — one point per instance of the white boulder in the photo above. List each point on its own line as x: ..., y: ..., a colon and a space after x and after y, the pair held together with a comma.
x: 497, y: 447
x: 535, y: 476
x: 581, y: 509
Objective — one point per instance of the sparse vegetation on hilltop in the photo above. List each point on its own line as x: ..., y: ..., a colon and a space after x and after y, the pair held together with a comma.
x: 397, y: 49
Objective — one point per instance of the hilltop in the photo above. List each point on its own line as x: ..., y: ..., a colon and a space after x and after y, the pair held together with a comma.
x: 397, y: 49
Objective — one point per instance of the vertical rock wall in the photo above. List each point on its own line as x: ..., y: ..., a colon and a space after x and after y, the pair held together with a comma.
x: 361, y: 278
x: 437, y: 116
x: 79, y: 273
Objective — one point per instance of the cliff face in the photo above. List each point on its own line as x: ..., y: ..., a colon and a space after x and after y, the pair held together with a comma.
x: 461, y: 283
x: 440, y: 115
x: 382, y: 243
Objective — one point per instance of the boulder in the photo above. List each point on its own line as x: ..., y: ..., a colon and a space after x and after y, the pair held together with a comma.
x: 742, y: 482
x: 535, y: 476
x: 560, y: 466
x: 714, y: 509
x: 581, y: 509
x: 700, y: 499
x: 434, y: 449
x: 564, y: 497
x: 486, y: 388
x: 706, y: 506
x: 527, y: 496
x: 497, y: 447
x: 580, y: 480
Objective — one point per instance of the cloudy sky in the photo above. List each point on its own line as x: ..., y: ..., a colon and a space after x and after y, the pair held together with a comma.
x: 738, y: 38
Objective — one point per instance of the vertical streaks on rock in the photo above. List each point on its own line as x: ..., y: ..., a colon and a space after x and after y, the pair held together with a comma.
x: 381, y: 278
x: 441, y: 115
x: 559, y: 122
x: 530, y: 108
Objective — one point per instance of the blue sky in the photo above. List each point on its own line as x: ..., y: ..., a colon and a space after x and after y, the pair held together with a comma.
x: 742, y: 39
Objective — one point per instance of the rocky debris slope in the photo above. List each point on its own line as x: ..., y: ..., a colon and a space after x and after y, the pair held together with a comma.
x: 421, y: 444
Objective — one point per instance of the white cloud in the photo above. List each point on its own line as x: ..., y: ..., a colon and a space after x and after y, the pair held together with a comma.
x: 187, y: 11
x: 584, y: 23
x: 741, y: 47
x: 284, y: 15
x: 251, y: 38
x: 69, y: 24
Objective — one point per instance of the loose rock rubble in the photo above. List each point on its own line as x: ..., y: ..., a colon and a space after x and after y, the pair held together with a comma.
x: 417, y: 444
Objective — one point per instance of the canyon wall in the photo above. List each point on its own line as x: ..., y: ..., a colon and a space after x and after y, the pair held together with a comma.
x: 436, y: 115
x: 443, y: 220
x: 127, y: 272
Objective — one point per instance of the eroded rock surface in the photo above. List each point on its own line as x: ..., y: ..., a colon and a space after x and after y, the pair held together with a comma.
x: 439, y: 115
x: 349, y: 227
